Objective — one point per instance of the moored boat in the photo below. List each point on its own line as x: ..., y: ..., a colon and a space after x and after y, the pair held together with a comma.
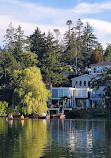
x: 42, y: 116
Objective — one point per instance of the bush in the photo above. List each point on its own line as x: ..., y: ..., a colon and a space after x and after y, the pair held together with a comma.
x: 89, y: 113
x: 3, y: 108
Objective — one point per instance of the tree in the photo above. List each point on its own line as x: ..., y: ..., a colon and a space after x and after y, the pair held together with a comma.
x: 14, y: 39
x: 51, y: 64
x: 104, y: 80
x: 49, y: 54
x: 69, y: 23
x: 19, y: 40
x: 7, y: 64
x: 30, y: 94
x: 38, y: 44
x: 70, y: 51
x: 3, y: 108
x: 96, y: 57
x: 107, y: 54
x: 79, y: 29
x: 26, y: 59
x: 9, y: 38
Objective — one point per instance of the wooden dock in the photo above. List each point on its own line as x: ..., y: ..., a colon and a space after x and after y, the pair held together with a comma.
x: 57, y: 116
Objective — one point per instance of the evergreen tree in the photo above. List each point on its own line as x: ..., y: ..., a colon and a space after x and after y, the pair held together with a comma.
x: 7, y: 64
x: 70, y: 51
x: 19, y: 40
x: 38, y: 44
x: 107, y: 54
x: 9, y: 38
x: 51, y: 62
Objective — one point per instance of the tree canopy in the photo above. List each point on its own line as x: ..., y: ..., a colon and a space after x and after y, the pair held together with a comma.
x: 30, y: 93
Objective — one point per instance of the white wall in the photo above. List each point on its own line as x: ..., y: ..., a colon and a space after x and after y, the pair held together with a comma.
x: 81, y: 81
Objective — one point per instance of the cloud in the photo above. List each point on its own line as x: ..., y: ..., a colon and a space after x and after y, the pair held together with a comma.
x: 27, y: 27
x: 101, y: 26
x: 102, y: 29
x: 87, y: 8
x: 31, y: 15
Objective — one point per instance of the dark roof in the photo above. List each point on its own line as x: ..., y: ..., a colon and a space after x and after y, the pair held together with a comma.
x: 102, y: 64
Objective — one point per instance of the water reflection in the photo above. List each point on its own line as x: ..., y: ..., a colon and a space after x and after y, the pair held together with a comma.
x: 79, y: 138
x: 55, y: 138
x: 23, y: 139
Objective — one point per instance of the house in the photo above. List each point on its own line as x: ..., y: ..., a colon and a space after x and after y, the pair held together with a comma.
x: 80, y: 94
x: 65, y: 98
x: 82, y: 81
x: 98, y: 68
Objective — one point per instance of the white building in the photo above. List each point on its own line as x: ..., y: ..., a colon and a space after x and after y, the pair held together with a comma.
x: 82, y: 81
x: 80, y: 94
x: 98, y: 68
x: 65, y: 98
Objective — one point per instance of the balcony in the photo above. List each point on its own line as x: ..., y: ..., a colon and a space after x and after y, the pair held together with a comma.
x: 81, y: 93
x: 69, y: 93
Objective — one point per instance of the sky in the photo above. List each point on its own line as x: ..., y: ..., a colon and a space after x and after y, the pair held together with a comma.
x: 53, y: 14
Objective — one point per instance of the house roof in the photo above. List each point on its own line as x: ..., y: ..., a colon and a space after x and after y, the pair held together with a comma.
x: 102, y: 64
x: 91, y: 76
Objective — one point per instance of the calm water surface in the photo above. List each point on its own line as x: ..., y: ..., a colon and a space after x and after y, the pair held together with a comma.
x: 55, y: 138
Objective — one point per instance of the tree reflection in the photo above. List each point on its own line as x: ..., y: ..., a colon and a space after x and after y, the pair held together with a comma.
x: 35, y: 137
x: 23, y: 139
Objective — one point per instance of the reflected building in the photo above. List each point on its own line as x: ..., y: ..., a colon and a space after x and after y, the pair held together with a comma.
x: 79, y: 136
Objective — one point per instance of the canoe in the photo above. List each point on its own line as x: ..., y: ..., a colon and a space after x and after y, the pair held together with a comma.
x: 16, y: 118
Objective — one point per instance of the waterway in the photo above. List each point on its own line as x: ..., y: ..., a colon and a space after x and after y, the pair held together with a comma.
x: 67, y: 138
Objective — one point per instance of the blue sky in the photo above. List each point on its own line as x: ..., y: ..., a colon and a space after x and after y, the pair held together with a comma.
x: 51, y: 14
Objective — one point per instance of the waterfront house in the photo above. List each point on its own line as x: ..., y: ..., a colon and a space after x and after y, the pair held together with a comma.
x: 66, y: 98
x: 80, y: 94
x: 82, y: 81
x: 97, y: 69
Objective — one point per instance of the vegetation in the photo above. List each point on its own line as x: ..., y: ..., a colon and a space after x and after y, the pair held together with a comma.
x: 104, y: 80
x: 30, y: 94
x: 24, y: 59
x: 87, y: 113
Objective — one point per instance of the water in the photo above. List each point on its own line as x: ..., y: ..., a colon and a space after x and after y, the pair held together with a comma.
x: 55, y: 138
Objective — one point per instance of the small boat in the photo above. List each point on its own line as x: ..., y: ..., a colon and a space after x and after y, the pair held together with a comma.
x: 16, y: 118
x: 42, y: 116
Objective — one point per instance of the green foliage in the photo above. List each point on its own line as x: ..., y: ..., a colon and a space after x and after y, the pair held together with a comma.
x: 96, y: 57
x: 107, y: 54
x: 30, y: 95
x: 49, y: 56
x: 104, y: 80
x: 14, y: 39
x: 89, y: 113
x: 38, y: 43
x: 3, y: 108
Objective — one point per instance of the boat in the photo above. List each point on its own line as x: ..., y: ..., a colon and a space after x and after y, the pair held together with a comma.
x: 42, y: 116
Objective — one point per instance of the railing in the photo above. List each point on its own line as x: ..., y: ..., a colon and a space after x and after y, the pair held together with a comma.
x: 80, y: 93
x: 69, y: 93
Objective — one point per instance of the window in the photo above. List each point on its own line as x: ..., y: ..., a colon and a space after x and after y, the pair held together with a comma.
x: 94, y: 70
x: 84, y: 83
x: 54, y: 93
x: 60, y: 93
x: 80, y: 83
x: 75, y: 84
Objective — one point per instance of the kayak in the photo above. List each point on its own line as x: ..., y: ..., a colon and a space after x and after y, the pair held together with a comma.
x: 16, y: 118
